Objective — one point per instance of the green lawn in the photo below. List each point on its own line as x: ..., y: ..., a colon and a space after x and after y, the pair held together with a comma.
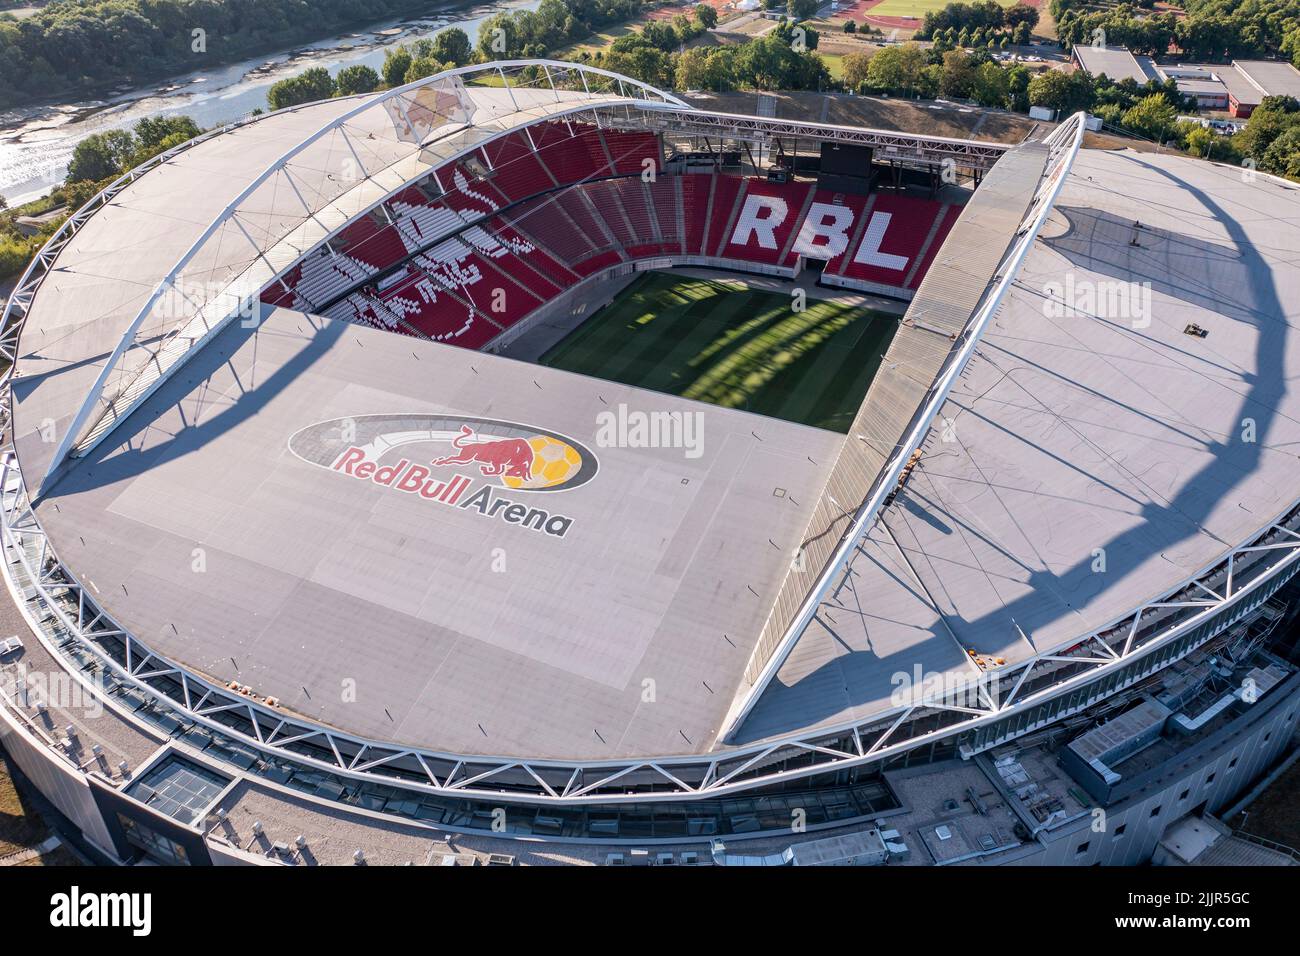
x: 915, y: 8
x: 719, y: 342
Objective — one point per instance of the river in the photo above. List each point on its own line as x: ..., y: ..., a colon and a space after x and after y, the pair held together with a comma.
x: 37, y: 142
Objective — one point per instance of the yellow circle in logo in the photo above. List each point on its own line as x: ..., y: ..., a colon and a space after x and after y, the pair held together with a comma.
x: 554, y: 462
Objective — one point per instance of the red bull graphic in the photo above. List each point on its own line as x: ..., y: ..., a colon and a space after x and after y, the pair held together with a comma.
x: 442, y: 456
x: 501, y: 457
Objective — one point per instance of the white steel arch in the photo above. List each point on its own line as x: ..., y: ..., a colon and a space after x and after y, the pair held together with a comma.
x: 550, y: 69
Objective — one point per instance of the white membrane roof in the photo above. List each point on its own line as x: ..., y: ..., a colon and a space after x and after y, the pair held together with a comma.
x: 214, y: 528
x: 1090, y: 459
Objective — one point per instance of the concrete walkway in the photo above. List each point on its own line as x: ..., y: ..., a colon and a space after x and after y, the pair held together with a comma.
x: 22, y: 856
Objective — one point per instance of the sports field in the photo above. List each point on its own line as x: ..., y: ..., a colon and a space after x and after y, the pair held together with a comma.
x: 916, y: 9
x: 716, y: 341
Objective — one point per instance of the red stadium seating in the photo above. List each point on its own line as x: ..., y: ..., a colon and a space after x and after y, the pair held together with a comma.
x: 466, y: 193
x: 949, y: 216
x: 577, y: 159
x: 282, y: 292
x: 370, y: 243
x: 630, y: 150
x: 580, y: 213
x: 718, y: 216
x: 901, y: 224
x: 760, y: 205
x: 663, y: 193
x: 544, y: 218
x: 482, y: 242
x: 517, y: 173
x: 544, y: 274
x: 604, y: 197
x: 696, y: 193
x: 496, y: 295
x: 832, y: 244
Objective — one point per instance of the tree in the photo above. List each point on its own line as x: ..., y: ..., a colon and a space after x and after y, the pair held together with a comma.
x: 498, y: 37
x: 958, y: 74
x: 659, y: 34
x: 1050, y: 89
x: 991, y: 85
x: 898, y: 68
x: 1291, y: 46
x: 692, y: 70
x: 1018, y: 88
x: 452, y: 46
x: 1021, y: 13
x: 706, y: 16
x: 799, y: 36
x: 1280, y: 104
x: 850, y: 26
x: 152, y: 131
x: 306, y: 87
x: 396, y: 63
x: 640, y: 60
x: 1153, y: 116
x: 1199, y: 140
x: 1283, y: 156
x: 158, y: 134
x: 856, y: 67
x: 101, y: 155
x: 802, y: 9
x: 420, y: 68
x: 773, y: 62
x: 357, y: 78
x: 1263, y: 127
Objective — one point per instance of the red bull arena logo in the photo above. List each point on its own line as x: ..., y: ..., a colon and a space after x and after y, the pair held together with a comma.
x: 475, y: 465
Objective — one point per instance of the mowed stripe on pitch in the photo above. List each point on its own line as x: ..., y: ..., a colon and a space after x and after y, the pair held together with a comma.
x: 720, y: 342
x: 679, y: 329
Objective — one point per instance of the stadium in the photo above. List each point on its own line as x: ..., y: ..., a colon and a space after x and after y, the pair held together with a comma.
x: 525, y: 465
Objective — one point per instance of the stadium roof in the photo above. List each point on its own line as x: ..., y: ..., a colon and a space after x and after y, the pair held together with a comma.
x: 1087, y: 461
x: 458, y: 629
x: 1068, y: 438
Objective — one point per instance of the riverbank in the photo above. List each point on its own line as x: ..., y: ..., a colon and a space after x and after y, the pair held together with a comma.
x: 203, y: 48
x: 36, y: 142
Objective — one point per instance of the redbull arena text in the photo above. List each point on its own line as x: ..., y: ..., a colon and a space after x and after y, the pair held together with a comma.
x: 411, y: 478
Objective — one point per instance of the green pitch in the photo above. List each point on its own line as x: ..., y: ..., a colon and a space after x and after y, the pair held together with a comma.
x: 719, y: 342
